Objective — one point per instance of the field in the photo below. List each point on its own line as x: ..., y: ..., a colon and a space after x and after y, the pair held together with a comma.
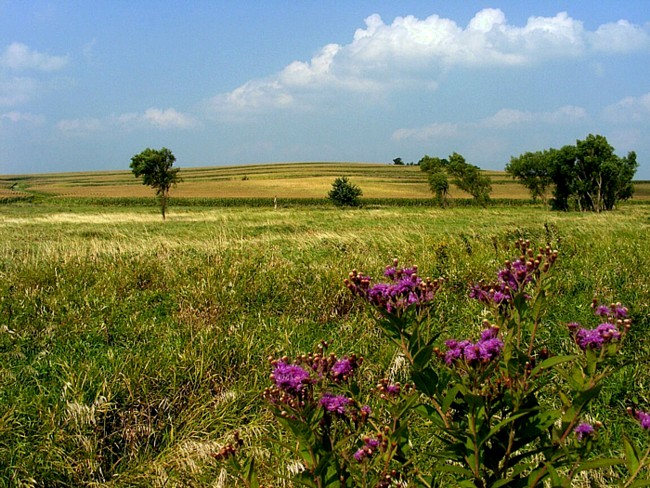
x: 132, y: 349
x: 282, y: 181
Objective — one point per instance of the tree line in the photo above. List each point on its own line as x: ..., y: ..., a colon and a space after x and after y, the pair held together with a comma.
x: 587, y: 176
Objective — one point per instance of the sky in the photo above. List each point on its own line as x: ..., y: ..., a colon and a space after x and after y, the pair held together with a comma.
x: 85, y: 85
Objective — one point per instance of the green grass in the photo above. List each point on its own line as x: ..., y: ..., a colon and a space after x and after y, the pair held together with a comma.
x: 130, y: 349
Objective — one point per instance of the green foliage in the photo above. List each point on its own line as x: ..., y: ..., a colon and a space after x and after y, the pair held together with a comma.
x: 398, y: 162
x: 154, y: 166
x: 132, y: 352
x: 469, y: 178
x: 344, y: 193
x: 533, y: 171
x: 587, y: 176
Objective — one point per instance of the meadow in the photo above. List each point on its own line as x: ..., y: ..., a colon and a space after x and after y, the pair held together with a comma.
x: 132, y: 349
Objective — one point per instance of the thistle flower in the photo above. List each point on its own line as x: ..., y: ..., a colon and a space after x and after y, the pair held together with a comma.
x: 584, y: 430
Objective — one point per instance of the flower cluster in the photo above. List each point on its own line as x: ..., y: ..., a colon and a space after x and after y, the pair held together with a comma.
x: 605, y: 333
x: 404, y: 288
x: 512, y: 279
x: 486, y: 349
x: 298, y: 383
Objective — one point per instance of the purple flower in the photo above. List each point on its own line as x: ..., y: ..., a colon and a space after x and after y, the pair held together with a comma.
x: 596, y: 338
x: 486, y: 349
x: 644, y: 419
x: 584, y: 430
x: 620, y: 312
x: 602, y: 310
x: 290, y: 378
x: 343, y: 368
x: 369, y: 448
x: 335, y: 403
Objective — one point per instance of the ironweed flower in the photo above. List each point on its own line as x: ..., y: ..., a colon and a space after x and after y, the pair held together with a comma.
x: 404, y: 288
x: 584, y: 430
x: 595, y: 338
x: 486, y: 349
x: 371, y: 446
x: 335, y: 403
x: 513, y: 279
x: 290, y: 378
x: 345, y: 367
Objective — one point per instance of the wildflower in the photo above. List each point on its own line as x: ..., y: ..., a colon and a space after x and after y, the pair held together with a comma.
x: 644, y: 419
x: 487, y: 348
x: 335, y: 403
x: 584, y: 430
x: 369, y: 448
x: 290, y: 378
x: 405, y: 288
x: 595, y: 338
x: 343, y: 368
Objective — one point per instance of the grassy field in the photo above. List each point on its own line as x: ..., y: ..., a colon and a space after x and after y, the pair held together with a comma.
x: 297, y: 180
x: 131, y: 349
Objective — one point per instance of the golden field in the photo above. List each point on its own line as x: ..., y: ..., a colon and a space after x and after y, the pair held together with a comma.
x: 281, y: 180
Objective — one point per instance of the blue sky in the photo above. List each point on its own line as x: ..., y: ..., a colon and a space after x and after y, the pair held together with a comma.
x: 85, y: 85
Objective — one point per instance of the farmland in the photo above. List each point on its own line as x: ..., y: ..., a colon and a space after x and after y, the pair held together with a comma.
x: 132, y: 349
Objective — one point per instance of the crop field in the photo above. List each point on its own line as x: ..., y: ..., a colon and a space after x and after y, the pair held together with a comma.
x: 296, y: 180
x: 132, y: 349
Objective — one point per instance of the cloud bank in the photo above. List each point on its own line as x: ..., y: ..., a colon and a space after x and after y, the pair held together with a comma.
x: 418, y: 51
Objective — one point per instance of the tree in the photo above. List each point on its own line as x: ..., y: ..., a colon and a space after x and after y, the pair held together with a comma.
x: 469, y: 178
x: 398, y: 162
x: 155, y: 168
x: 344, y: 193
x: 533, y: 171
x: 587, y: 176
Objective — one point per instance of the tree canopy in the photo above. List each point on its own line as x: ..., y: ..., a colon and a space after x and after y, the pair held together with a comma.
x: 587, y: 176
x: 466, y: 177
x: 154, y: 166
x: 344, y: 193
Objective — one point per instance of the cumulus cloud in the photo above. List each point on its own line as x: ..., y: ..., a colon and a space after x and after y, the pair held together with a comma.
x: 168, y: 119
x: 19, y: 57
x: 381, y: 56
x: 502, y: 119
x: 630, y: 109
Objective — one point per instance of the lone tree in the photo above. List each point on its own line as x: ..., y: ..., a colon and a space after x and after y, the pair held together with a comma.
x: 344, y: 193
x: 155, y: 168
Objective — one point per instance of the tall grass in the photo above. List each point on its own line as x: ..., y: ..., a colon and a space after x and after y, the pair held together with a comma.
x: 131, y: 349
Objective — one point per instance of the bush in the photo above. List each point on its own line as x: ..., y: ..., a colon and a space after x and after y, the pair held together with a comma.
x: 344, y: 193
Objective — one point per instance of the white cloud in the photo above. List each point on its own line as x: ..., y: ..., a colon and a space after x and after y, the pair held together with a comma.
x: 80, y: 126
x: 17, y: 90
x: 153, y: 117
x: 429, y: 132
x: 508, y: 117
x: 502, y: 119
x: 619, y: 37
x: 19, y: 57
x: 629, y: 109
x: 411, y: 50
x: 168, y: 119
x: 24, y: 118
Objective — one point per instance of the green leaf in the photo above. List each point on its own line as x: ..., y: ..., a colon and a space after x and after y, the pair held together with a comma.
x: 631, y: 455
x: 598, y: 463
x: 551, y: 362
x: 250, y: 473
x: 449, y: 398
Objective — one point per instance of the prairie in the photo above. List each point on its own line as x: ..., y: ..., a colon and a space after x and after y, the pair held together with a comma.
x: 132, y: 349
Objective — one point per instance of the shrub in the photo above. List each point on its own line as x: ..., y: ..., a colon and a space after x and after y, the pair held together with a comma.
x: 344, y: 193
